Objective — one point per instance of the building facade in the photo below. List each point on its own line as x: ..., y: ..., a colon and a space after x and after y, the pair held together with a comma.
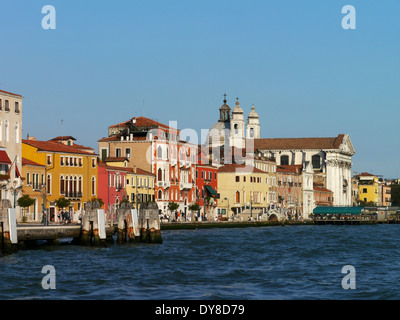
x: 156, y: 148
x: 70, y: 173
x: 35, y: 187
x: 11, y: 145
x: 242, y: 190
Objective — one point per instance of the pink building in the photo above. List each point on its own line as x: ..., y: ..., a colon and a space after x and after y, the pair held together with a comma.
x: 111, y: 186
x: 289, y: 189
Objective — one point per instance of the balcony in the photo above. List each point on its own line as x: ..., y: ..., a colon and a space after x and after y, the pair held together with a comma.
x: 73, y: 195
x: 163, y: 184
x: 185, y: 186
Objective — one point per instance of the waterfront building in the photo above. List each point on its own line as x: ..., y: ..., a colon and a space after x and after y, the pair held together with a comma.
x: 387, y: 193
x: 140, y: 186
x: 70, y: 172
x: 111, y: 185
x: 243, y: 190
x: 156, y: 148
x: 323, y: 197
x: 355, y: 192
x: 10, y: 147
x: 289, y: 190
x: 370, y: 190
x: 35, y: 187
x: 207, y: 190
x: 330, y: 159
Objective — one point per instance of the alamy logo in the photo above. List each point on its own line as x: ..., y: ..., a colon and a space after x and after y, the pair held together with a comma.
x: 349, y: 281
x: 349, y: 21
x: 49, y: 281
x: 49, y: 20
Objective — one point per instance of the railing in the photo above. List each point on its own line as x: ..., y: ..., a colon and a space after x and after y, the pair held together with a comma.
x: 73, y: 194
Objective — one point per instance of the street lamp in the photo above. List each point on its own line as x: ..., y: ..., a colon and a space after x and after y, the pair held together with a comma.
x: 14, y: 190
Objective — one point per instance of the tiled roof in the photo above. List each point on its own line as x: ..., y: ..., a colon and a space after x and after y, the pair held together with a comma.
x: 141, y: 122
x: 27, y: 162
x: 14, y: 94
x: 116, y: 159
x: 239, y: 168
x: 289, y: 169
x: 63, y: 138
x: 52, y: 146
x: 321, y: 189
x: 298, y: 143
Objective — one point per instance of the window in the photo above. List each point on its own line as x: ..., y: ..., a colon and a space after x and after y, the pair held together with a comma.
x: 118, y: 152
x: 365, y: 190
x: 93, y: 162
x: 251, y: 132
x: 16, y: 107
x: 284, y: 160
x: 16, y: 134
x: 62, y: 185
x: 237, y: 197
x: 49, y: 184
x: 28, y: 178
x: 197, y: 174
x: 316, y: 162
x: 49, y: 160
x: 1, y: 104
x: 7, y: 106
x: 93, y: 186
x: 128, y: 153
x: 6, y: 131
x: 159, y: 153
x: 237, y: 179
x: 61, y: 161
x: 80, y: 162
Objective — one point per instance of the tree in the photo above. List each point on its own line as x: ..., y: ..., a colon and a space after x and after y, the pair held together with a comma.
x: 99, y: 200
x: 25, y: 202
x: 194, y: 207
x: 172, y: 206
x: 62, y: 203
x: 395, y: 194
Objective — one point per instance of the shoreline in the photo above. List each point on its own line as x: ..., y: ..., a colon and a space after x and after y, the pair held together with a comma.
x: 229, y: 224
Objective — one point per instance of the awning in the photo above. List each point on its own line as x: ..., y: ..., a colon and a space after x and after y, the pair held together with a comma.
x: 338, y: 210
x: 211, y: 191
x: 4, y: 159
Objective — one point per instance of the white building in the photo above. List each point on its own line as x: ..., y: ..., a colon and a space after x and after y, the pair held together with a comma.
x: 330, y: 159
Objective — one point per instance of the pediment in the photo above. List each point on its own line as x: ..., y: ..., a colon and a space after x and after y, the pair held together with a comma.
x: 346, y: 146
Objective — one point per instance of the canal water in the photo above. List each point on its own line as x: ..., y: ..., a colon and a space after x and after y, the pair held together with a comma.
x: 282, y: 262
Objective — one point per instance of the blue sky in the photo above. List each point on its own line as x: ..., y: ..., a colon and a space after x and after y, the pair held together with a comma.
x: 108, y: 61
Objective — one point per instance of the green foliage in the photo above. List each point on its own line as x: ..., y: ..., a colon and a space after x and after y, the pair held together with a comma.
x: 395, y: 193
x: 172, y: 206
x: 25, y: 201
x: 194, y: 207
x: 62, y: 203
x: 99, y: 200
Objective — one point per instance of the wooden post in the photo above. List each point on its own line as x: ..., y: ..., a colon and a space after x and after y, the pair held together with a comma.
x: 149, y: 223
x: 93, y: 225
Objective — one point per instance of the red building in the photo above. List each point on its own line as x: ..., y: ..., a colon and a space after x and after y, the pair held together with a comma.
x: 111, y: 186
x: 323, y: 196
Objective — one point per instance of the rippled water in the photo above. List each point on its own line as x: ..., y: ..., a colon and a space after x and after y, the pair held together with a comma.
x: 291, y: 262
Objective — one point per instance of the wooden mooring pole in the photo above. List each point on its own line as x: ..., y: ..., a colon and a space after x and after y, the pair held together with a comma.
x: 8, y: 223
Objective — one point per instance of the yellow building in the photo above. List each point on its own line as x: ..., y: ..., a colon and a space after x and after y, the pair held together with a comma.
x: 34, y: 186
x: 370, y: 189
x: 140, y: 186
x: 70, y: 172
x: 242, y: 190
